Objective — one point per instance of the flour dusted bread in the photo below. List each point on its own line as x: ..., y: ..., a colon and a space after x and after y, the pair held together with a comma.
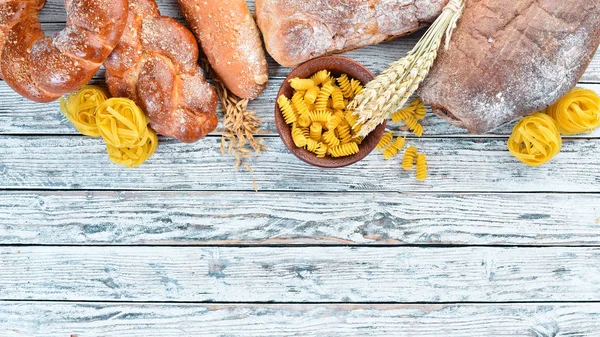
x: 156, y: 65
x: 231, y: 41
x: 42, y: 68
x: 510, y: 58
x: 296, y: 31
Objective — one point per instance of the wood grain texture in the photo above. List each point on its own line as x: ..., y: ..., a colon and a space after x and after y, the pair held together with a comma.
x: 300, y: 274
x: 209, y: 218
x: 461, y: 164
x: 160, y: 320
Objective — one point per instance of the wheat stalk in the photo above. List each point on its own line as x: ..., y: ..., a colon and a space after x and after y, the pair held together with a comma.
x: 392, y: 88
x: 239, y: 125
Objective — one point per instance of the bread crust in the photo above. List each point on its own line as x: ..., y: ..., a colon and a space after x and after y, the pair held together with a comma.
x: 296, y: 31
x: 231, y: 41
x: 43, y: 68
x: 156, y: 65
x: 510, y: 58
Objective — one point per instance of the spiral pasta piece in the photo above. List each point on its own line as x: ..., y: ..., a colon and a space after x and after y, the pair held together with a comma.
x: 535, y: 139
x: 311, y: 145
x: 357, y: 87
x: 80, y: 109
x: 320, y: 116
x: 322, y: 102
x: 577, y: 112
x: 301, y: 84
x: 337, y: 98
x: 321, y: 77
x: 392, y: 150
x: 311, y: 94
x: 335, y: 121
x: 304, y: 120
x: 420, y: 111
x: 414, y: 125
x: 299, y: 104
x: 410, y: 155
x: 385, y: 140
x: 316, y: 131
x: 345, y: 86
x: 344, y: 150
x: 421, y: 167
x: 330, y: 138
x: 289, y: 115
x: 344, y: 134
x: 322, y: 150
x: 402, y: 114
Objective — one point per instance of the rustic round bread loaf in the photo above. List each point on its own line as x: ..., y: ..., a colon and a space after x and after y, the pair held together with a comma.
x: 43, y: 68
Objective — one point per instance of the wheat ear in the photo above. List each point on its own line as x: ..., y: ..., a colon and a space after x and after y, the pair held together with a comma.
x: 391, y: 89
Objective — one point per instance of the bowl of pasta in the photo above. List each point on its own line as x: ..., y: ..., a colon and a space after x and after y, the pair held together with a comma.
x: 311, y: 114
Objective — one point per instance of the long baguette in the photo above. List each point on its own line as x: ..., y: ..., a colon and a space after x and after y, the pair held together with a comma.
x: 231, y: 41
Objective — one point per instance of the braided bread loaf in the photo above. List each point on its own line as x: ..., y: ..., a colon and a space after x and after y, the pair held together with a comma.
x: 156, y: 65
x: 43, y: 68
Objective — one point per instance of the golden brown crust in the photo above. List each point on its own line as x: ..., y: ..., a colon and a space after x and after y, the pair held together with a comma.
x: 43, y: 68
x: 156, y: 65
x: 231, y: 41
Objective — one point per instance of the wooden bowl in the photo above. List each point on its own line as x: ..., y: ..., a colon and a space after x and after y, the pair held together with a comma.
x: 337, y: 65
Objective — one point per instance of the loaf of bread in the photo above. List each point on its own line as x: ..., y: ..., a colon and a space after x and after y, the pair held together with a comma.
x: 231, y: 41
x: 43, y: 68
x: 156, y: 65
x: 296, y: 31
x: 510, y: 58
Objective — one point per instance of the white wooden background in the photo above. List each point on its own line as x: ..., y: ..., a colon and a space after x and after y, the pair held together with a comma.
x: 183, y: 246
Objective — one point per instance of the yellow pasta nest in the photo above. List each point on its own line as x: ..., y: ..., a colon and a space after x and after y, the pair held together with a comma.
x: 124, y: 128
x: 577, y: 112
x: 80, y: 109
x: 535, y: 139
x: 133, y: 157
x: 410, y: 155
x: 421, y: 167
x: 119, y: 121
x: 122, y: 123
x: 317, y: 113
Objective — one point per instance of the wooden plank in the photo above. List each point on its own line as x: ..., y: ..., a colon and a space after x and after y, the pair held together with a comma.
x: 161, y: 320
x: 190, y: 218
x: 20, y: 116
x: 456, y: 165
x: 300, y: 274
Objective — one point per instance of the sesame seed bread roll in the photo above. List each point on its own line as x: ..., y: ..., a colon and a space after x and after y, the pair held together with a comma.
x: 231, y: 41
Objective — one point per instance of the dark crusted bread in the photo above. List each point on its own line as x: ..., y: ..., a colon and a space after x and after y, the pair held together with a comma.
x: 509, y: 58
